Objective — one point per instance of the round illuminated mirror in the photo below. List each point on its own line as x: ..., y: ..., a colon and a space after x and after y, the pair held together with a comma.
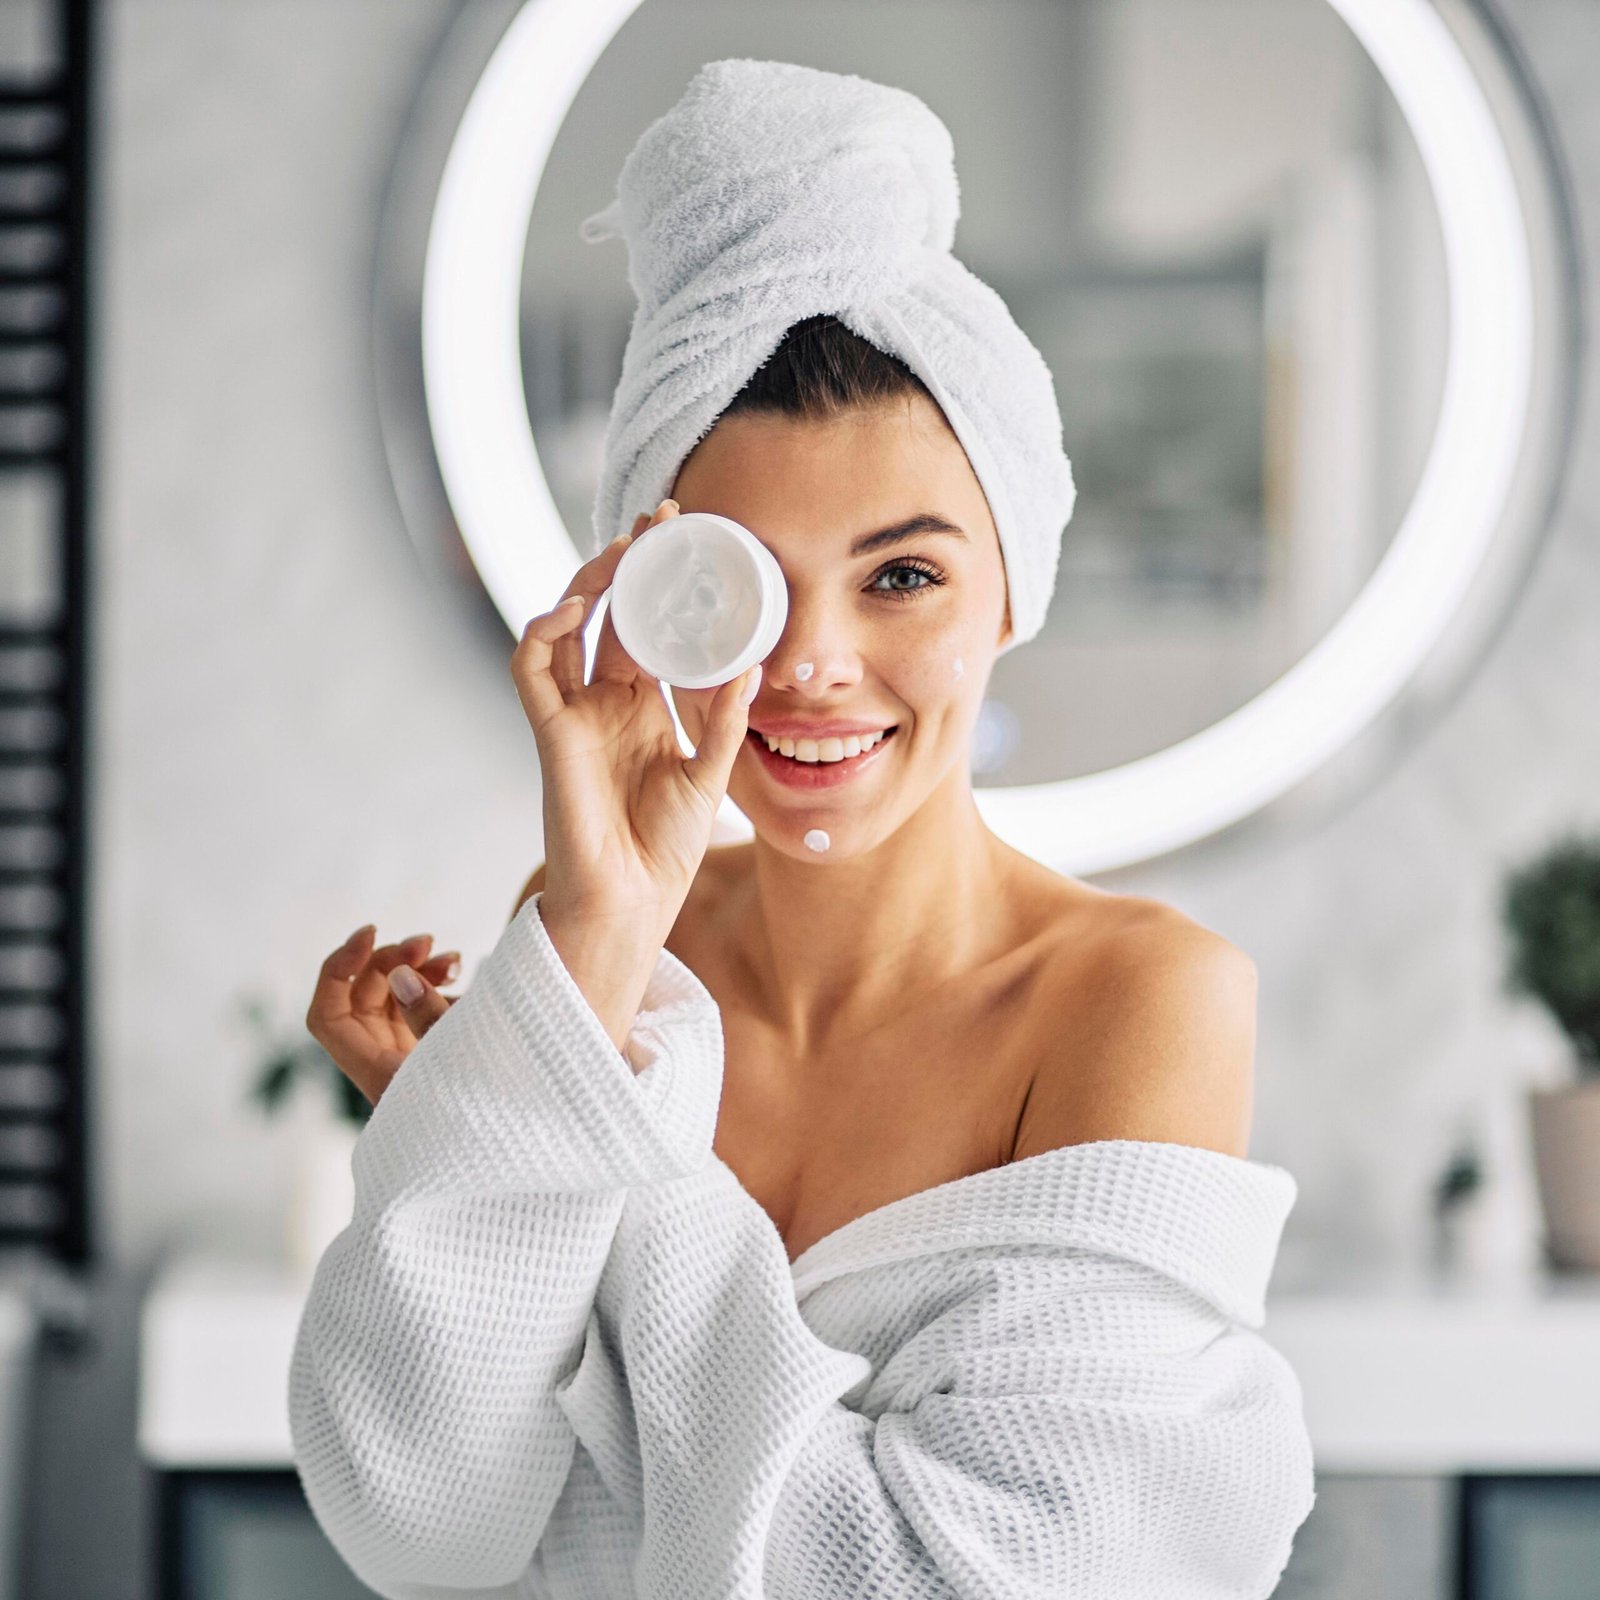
x: 1302, y: 270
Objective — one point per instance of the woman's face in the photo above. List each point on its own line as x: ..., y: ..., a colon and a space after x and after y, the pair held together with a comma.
x: 900, y: 635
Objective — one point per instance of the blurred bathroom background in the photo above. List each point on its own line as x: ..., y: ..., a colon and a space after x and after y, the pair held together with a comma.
x: 255, y: 693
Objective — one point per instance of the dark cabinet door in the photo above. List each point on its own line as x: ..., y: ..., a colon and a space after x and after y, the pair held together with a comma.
x: 1530, y: 1537
x: 245, y: 1535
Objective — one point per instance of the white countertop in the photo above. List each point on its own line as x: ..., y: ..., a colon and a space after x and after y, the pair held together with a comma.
x: 215, y: 1338
x: 1398, y: 1377
x: 1441, y: 1379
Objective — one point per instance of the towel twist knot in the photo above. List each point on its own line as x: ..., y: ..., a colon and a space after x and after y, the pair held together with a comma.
x: 840, y: 181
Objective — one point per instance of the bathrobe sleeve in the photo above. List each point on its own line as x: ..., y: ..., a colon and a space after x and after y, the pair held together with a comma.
x: 1084, y: 1413
x: 439, y: 1324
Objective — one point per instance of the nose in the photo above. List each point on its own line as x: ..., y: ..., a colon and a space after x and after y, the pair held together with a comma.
x: 815, y: 655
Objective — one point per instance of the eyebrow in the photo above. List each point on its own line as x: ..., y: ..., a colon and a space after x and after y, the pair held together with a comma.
x: 899, y: 532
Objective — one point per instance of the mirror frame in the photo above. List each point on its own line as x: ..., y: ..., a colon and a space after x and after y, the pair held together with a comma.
x: 462, y: 454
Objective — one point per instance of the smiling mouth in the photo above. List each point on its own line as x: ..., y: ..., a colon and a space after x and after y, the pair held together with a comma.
x: 759, y: 739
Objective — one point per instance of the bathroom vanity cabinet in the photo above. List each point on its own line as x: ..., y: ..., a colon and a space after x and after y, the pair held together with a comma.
x: 232, y: 1522
x: 1456, y: 1431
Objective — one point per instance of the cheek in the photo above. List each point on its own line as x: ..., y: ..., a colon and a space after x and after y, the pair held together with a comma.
x: 933, y: 673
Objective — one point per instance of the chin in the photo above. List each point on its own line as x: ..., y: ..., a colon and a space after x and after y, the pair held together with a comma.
x: 851, y: 831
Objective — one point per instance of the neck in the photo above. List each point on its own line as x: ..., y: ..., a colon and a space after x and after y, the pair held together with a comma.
x: 834, y: 951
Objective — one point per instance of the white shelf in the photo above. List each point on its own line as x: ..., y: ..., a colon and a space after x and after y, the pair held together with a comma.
x: 1398, y: 1378
x: 214, y: 1346
x: 1441, y: 1379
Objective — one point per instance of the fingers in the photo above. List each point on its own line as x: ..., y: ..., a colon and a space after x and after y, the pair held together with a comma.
x: 591, y: 580
x: 547, y: 665
x: 362, y: 1051
x: 351, y: 984
x: 330, y: 998
x: 613, y: 664
x: 369, y: 993
x: 727, y: 723
x: 445, y: 968
x: 420, y: 1003
x: 538, y: 691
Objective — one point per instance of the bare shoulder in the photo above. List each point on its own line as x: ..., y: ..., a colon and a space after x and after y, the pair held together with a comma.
x: 1147, y: 1025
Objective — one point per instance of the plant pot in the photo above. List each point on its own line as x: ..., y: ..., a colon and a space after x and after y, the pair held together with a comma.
x: 323, y: 1194
x: 1566, y: 1155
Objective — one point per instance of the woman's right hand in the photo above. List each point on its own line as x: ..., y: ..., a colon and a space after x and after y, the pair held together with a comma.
x: 628, y: 818
x: 361, y: 1022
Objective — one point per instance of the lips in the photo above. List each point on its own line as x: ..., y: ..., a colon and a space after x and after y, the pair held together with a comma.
x: 812, y: 775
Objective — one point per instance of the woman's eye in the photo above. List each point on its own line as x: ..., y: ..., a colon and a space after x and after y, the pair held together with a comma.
x: 904, y: 591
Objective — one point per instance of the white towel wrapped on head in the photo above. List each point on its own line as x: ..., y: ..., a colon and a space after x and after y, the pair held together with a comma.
x: 771, y: 193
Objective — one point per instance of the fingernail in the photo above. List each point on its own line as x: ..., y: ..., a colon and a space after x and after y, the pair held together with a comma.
x: 571, y: 600
x: 405, y: 985
x: 623, y: 537
x: 366, y: 927
x: 748, y: 693
x: 452, y: 972
x: 663, y: 506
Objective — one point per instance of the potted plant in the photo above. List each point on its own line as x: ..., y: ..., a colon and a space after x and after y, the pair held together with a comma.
x: 322, y: 1196
x: 1550, y: 910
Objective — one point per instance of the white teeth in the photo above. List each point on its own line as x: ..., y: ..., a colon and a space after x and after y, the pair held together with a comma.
x: 824, y: 749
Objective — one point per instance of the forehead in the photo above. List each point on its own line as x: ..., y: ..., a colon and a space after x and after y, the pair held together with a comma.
x: 836, y: 478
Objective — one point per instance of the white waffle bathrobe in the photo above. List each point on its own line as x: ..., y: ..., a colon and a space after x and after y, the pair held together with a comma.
x: 561, y: 1352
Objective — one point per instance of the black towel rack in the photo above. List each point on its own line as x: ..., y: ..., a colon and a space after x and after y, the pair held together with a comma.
x: 45, y: 139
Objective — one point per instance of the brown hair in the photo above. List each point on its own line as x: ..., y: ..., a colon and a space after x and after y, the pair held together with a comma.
x: 820, y: 369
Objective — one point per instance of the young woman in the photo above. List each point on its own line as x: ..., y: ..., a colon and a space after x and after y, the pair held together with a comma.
x: 864, y: 1209
x: 920, y: 1001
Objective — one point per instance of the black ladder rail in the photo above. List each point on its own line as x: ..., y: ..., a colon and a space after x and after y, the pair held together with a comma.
x: 46, y: 139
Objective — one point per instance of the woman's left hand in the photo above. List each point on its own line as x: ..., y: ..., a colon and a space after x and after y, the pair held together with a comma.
x: 628, y: 817
x: 362, y: 1018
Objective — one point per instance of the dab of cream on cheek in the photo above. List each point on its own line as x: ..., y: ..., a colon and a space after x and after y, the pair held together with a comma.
x: 803, y: 671
x: 957, y: 667
x: 817, y: 839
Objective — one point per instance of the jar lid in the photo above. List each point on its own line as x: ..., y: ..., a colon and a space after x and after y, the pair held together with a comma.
x: 698, y: 599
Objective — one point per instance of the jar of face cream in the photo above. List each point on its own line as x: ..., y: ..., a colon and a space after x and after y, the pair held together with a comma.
x: 698, y: 599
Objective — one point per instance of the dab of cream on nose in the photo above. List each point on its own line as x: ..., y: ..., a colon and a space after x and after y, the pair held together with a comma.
x: 817, y: 839
x: 957, y: 667
x: 803, y: 671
